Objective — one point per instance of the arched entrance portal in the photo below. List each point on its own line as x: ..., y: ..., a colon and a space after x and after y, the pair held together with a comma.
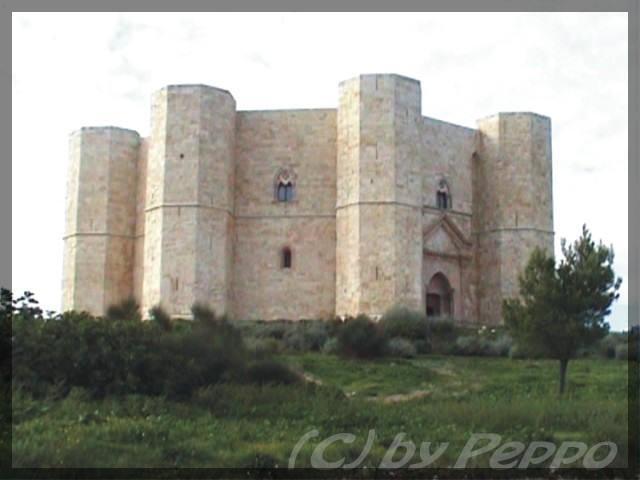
x: 439, y: 296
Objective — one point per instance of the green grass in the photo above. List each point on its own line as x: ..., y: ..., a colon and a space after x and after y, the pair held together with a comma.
x: 236, y: 425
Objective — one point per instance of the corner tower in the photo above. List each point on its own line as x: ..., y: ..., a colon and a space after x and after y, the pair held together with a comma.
x: 100, y: 218
x: 188, y: 221
x: 513, y: 203
x: 378, y: 208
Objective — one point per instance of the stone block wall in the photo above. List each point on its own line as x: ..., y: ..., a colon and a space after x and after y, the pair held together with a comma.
x: 513, y: 203
x: 379, y: 260
x: 303, y: 142
x: 100, y: 219
x: 190, y: 214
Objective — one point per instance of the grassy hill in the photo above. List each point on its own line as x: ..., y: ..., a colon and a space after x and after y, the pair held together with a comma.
x: 429, y: 398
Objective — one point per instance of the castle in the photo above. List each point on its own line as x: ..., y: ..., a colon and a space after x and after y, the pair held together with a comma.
x: 289, y: 214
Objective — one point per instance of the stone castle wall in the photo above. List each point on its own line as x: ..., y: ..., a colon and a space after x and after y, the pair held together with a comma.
x: 304, y: 142
x: 190, y: 214
x: 449, y: 149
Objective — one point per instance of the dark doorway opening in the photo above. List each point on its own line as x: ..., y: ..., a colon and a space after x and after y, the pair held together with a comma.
x: 439, y: 297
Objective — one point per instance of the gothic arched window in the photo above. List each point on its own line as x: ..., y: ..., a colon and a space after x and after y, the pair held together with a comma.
x: 443, y: 198
x: 286, y: 257
x: 285, y: 183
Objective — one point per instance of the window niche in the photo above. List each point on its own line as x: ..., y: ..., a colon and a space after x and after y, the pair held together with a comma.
x: 286, y: 258
x: 284, y: 186
x: 443, y: 196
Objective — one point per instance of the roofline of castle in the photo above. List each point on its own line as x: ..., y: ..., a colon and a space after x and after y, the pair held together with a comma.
x: 514, y: 113
x: 103, y: 127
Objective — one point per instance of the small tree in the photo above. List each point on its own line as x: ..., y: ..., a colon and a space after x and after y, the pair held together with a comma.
x: 562, y: 307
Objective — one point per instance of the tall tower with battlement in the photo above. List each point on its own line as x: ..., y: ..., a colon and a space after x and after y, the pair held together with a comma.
x: 291, y: 214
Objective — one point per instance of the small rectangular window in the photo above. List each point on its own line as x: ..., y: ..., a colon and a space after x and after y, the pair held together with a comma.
x: 286, y: 258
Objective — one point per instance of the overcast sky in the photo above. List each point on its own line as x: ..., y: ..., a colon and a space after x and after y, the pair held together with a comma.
x: 75, y: 69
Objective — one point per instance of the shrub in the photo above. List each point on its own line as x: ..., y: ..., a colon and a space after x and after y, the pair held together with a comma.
x: 484, y: 345
x: 401, y: 347
x: 261, y: 347
x: 208, y: 353
x: 120, y: 356
x: 516, y: 352
x: 316, y: 334
x: 360, y: 337
x: 469, y: 345
x: 521, y: 352
x: 202, y: 313
x: 443, y: 329
x: 404, y: 323
x: 276, y: 329
x: 422, y: 346
x: 333, y: 326
x: 499, y: 346
x: 270, y: 372
x: 78, y: 349
x: 307, y: 335
x: 161, y: 317
x: 622, y: 352
x: 127, y: 309
x: 607, y: 346
x: 330, y: 346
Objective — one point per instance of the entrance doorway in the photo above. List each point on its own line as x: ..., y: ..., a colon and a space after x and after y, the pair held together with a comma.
x: 439, y: 296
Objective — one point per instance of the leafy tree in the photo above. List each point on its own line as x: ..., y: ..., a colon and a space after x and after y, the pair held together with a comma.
x: 6, y: 312
x: 562, y: 308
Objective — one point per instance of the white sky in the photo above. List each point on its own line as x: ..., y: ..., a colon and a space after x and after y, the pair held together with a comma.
x: 77, y: 69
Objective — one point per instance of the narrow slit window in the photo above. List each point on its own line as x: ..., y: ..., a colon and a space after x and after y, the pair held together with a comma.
x: 443, y: 199
x: 286, y: 257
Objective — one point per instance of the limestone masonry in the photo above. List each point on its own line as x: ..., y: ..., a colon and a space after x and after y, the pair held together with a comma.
x: 290, y: 214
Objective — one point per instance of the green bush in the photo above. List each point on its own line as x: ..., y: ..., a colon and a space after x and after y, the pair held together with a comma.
x: 360, y: 337
x: 270, y: 372
x: 499, y: 345
x: 469, y: 345
x: 127, y: 309
x: 404, y: 323
x: 443, y: 329
x: 275, y: 329
x: 209, y: 353
x: 261, y: 347
x: 330, y: 346
x: 76, y: 349
x: 161, y: 317
x: 422, y: 346
x: 443, y: 333
x: 401, y: 347
x: 622, y: 352
x: 203, y: 314
x: 521, y: 352
x: 120, y: 356
x: 306, y: 335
